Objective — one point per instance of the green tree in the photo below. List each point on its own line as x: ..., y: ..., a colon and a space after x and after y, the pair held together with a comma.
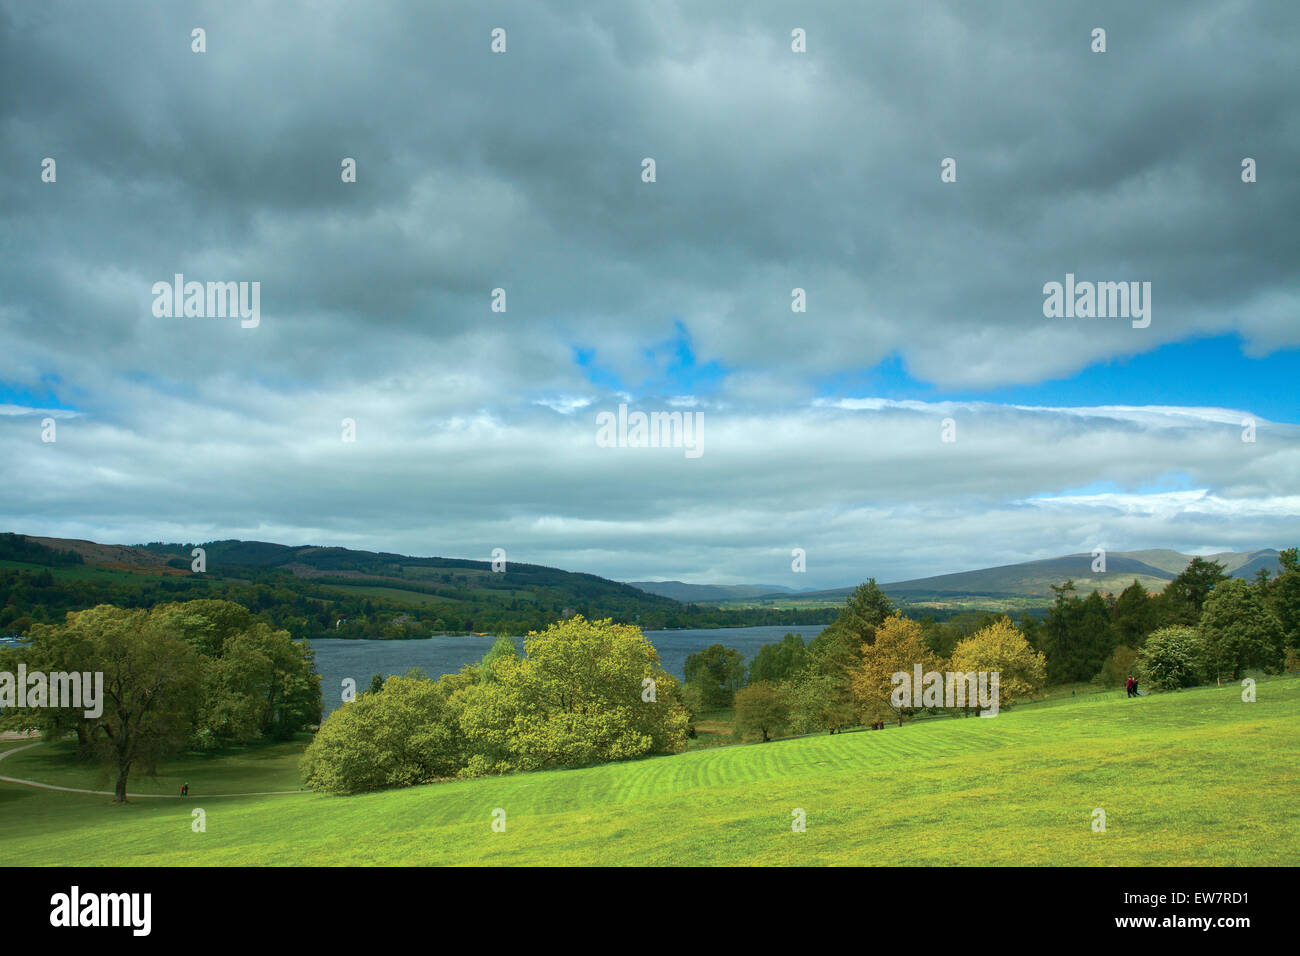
x: 405, y: 734
x: 205, y: 623
x: 263, y: 684
x: 821, y: 699
x: 1172, y: 657
x: 1119, y: 666
x: 1240, y: 631
x: 762, y: 711
x: 1284, y: 596
x: 718, y: 671
x: 584, y: 692
x: 1032, y: 627
x: 1077, y: 635
x: 779, y: 662
x: 1135, y: 615
x: 151, y: 685
x: 503, y: 647
x: 1186, y: 594
x: 864, y: 610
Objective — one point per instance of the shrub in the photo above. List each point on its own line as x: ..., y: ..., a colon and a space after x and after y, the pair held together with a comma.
x: 404, y: 734
x: 1172, y: 658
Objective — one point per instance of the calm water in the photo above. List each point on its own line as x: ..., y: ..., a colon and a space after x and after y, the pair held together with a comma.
x: 436, y: 656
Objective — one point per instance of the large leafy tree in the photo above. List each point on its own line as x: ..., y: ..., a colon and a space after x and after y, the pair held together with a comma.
x: 257, y: 681
x: 821, y: 697
x: 405, y: 733
x: 583, y: 692
x: 1240, y: 631
x: 151, y: 685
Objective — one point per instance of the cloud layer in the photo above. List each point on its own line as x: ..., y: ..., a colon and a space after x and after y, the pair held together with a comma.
x: 522, y: 171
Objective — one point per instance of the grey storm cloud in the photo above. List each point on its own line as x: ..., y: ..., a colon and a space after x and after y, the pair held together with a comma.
x: 522, y: 170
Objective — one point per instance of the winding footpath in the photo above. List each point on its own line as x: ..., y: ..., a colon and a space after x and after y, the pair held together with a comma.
x: 130, y: 796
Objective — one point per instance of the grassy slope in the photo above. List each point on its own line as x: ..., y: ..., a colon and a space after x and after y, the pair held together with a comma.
x: 1191, y: 778
x: 236, y: 770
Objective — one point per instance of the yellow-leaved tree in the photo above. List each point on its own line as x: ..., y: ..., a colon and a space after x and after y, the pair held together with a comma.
x: 1001, y: 648
x: 898, y: 648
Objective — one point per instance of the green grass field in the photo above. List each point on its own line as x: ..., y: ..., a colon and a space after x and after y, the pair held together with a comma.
x: 237, y: 770
x: 1192, y: 778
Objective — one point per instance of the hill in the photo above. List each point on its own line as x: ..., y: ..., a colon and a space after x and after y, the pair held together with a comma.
x: 1029, y: 583
x: 318, y: 591
x: 1189, y: 778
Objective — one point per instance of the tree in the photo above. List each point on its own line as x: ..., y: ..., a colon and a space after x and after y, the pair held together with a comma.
x: 503, y: 647
x: 261, y: 683
x: 1002, y: 649
x: 718, y: 671
x: 761, y: 710
x: 205, y: 623
x: 864, y: 610
x: 1240, y: 631
x: 821, y: 695
x: 407, y: 733
x: 779, y: 662
x: 1032, y: 627
x: 1186, y: 594
x: 899, y: 646
x: 1173, y: 657
x: 1077, y: 635
x: 151, y: 684
x: 579, y: 695
x: 1135, y: 615
x: 1119, y: 666
x: 1284, y: 596
x: 821, y: 699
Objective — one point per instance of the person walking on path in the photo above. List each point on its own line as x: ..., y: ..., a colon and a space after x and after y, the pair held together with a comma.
x: 1130, y: 685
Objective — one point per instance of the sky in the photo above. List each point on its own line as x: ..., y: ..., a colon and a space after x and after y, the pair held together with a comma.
x: 921, y: 415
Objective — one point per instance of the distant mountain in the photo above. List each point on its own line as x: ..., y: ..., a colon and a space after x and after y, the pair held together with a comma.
x: 315, y: 588
x: 338, y: 592
x: 1030, y: 582
x: 708, y: 593
x: 432, y: 577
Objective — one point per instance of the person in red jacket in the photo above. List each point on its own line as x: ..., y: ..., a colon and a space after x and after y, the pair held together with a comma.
x: 1129, y: 685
